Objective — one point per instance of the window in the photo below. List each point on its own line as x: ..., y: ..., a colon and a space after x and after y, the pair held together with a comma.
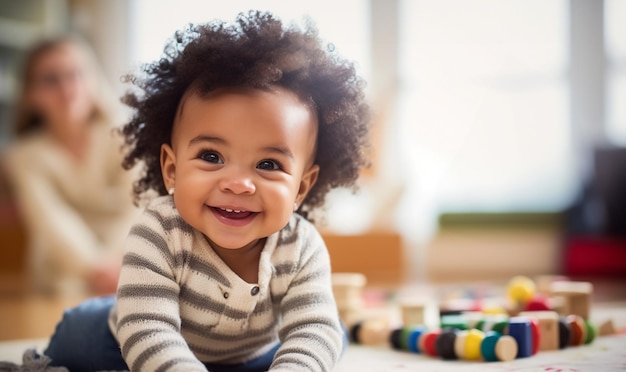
x: 615, y: 29
x: 344, y: 23
x: 484, y: 103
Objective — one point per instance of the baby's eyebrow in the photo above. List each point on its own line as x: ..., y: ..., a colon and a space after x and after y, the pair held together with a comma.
x: 280, y: 150
x: 205, y: 138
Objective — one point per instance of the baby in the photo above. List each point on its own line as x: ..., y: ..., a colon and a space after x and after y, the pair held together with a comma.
x: 242, y: 130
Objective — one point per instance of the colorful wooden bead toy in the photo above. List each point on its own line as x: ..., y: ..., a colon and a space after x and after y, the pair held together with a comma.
x: 548, y: 328
x: 428, y: 343
x: 521, y: 289
x: 520, y: 330
x: 472, y: 344
x: 445, y: 344
x: 414, y: 342
x: 579, y: 330
x: 394, y: 339
x: 497, y: 323
x: 498, y: 347
x: 536, y: 335
x: 459, y: 344
x: 565, y: 333
x: 591, y: 332
x: 577, y: 297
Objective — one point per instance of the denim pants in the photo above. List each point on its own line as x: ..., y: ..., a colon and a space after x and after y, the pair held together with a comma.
x: 83, y: 342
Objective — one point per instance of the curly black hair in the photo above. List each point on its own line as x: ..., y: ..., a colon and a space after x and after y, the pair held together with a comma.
x: 256, y: 51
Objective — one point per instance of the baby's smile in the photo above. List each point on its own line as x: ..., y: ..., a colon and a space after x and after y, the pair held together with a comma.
x: 238, y: 217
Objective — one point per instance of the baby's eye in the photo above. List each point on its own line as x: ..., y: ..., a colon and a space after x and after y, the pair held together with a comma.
x: 268, y: 165
x: 211, y: 157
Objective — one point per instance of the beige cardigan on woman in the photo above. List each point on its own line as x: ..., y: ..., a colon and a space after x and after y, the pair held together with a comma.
x: 76, y: 213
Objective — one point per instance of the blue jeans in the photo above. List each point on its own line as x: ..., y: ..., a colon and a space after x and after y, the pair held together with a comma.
x: 83, y: 342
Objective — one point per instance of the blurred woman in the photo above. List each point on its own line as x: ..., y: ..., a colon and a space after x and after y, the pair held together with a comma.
x: 65, y: 164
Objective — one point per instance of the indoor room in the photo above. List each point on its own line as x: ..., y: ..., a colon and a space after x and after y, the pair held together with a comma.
x: 485, y: 181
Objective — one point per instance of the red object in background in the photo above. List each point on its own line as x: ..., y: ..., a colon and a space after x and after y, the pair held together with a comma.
x: 595, y: 256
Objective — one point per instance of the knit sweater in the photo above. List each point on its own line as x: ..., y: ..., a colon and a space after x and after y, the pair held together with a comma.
x: 179, y: 304
x: 77, y: 213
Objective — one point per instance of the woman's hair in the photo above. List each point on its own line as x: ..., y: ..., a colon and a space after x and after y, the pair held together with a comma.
x: 27, y: 119
x: 258, y: 52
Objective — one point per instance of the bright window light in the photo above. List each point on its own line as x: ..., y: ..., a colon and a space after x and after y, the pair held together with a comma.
x: 343, y: 23
x: 615, y: 34
x: 485, y: 103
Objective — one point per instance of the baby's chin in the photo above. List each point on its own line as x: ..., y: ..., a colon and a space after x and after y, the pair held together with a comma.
x: 234, y: 245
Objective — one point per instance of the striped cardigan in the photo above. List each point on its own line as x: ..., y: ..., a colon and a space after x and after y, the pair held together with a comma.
x: 180, y: 305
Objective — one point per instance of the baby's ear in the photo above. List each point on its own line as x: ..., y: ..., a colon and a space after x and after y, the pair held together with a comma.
x: 168, y: 166
x: 307, y: 182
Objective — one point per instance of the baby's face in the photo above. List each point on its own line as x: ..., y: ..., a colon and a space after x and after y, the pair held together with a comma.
x: 239, y: 161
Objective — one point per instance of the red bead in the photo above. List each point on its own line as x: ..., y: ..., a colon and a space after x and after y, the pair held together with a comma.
x: 537, y: 303
x: 430, y: 342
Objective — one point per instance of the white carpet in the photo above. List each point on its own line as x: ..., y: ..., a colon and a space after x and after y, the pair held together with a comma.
x: 604, y: 354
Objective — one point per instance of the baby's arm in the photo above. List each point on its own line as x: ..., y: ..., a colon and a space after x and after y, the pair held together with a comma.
x: 148, y: 317
x: 311, y: 335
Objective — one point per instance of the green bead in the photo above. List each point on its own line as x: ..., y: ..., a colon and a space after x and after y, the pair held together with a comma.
x: 592, y: 331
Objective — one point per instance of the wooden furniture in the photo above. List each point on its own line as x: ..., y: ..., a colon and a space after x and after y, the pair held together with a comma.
x: 378, y: 255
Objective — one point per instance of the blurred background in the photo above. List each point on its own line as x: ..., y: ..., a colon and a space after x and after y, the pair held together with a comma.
x: 499, y: 126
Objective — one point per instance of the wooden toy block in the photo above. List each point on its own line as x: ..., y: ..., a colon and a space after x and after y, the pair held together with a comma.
x: 373, y: 332
x: 348, y: 287
x: 577, y: 297
x: 544, y: 282
x: 412, y: 313
x: 348, y: 290
x: 548, y: 328
x: 606, y: 328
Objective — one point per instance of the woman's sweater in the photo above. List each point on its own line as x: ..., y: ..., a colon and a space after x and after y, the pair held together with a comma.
x: 77, y: 213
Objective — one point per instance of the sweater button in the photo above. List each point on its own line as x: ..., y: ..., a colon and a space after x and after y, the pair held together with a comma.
x: 226, y: 294
x: 255, y: 290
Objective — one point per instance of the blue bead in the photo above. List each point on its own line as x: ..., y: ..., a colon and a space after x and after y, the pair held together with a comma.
x: 413, y: 339
x: 520, y: 330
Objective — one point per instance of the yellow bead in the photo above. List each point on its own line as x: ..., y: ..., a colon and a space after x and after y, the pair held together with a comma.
x: 472, y: 344
x: 521, y: 289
